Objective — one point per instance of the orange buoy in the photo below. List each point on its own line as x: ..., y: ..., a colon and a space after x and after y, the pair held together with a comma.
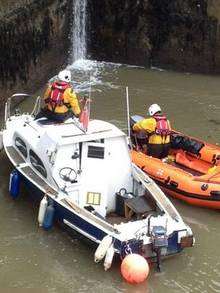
x: 134, y: 268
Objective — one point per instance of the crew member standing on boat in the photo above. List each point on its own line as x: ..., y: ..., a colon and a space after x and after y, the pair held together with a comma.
x: 158, y: 131
x: 60, y: 99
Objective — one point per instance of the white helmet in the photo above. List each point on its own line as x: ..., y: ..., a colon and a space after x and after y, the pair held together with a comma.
x: 64, y: 75
x: 153, y: 109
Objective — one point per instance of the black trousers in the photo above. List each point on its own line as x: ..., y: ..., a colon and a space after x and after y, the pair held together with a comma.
x: 159, y: 151
x: 52, y: 116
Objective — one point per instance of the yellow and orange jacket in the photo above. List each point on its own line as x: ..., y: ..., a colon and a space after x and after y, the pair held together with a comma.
x: 69, y: 101
x: 149, y: 125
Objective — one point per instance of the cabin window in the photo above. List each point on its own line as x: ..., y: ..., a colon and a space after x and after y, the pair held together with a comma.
x: 93, y: 198
x: 96, y: 152
x: 21, y: 146
x: 37, y: 163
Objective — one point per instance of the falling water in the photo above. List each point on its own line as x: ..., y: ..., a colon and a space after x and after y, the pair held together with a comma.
x: 85, y: 73
x: 79, y: 30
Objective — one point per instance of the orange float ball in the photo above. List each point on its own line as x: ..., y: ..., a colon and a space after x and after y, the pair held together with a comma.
x: 134, y: 268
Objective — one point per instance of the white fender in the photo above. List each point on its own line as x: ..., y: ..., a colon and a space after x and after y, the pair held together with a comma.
x: 102, y: 248
x: 109, y: 257
x: 42, y: 210
x: 1, y: 140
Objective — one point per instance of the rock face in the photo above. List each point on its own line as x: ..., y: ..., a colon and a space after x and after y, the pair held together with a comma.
x: 187, y: 37
x: 119, y: 31
x: 33, y: 43
x: 177, y: 34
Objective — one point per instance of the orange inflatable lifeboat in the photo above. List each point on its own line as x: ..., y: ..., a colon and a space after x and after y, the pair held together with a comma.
x: 191, y: 171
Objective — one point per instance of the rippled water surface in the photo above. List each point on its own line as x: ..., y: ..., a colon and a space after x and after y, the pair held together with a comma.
x: 32, y: 260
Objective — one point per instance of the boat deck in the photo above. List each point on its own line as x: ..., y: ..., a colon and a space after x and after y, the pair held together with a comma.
x: 113, y: 218
x: 186, y: 169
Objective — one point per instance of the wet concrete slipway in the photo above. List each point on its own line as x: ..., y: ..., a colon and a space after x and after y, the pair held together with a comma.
x: 32, y: 260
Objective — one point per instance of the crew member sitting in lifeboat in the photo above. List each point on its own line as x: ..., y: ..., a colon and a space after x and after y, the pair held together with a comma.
x: 60, y: 99
x: 158, y: 131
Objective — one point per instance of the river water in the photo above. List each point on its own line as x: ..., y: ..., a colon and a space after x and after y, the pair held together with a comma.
x: 32, y: 260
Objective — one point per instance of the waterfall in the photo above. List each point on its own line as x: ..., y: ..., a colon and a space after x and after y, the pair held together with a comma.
x: 79, y: 48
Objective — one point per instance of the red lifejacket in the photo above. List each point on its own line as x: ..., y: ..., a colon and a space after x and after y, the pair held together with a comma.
x: 162, y: 126
x: 56, y: 94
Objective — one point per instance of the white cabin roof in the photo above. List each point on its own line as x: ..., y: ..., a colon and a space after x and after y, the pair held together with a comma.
x: 70, y: 132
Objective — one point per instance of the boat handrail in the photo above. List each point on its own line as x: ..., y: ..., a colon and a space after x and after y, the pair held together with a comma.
x: 95, y: 132
x: 37, y: 106
x: 156, y: 193
x: 8, y: 104
x: 93, y: 217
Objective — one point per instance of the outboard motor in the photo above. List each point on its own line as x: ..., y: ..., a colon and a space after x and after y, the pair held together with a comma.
x: 159, y: 242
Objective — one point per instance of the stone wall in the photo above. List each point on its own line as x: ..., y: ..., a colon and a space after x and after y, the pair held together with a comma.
x: 177, y: 34
x: 187, y: 37
x: 119, y: 31
x: 34, y: 43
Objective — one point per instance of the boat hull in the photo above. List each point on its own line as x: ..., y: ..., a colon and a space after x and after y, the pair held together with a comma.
x: 179, y: 183
x: 71, y: 221
x: 190, y: 198
x: 68, y: 166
